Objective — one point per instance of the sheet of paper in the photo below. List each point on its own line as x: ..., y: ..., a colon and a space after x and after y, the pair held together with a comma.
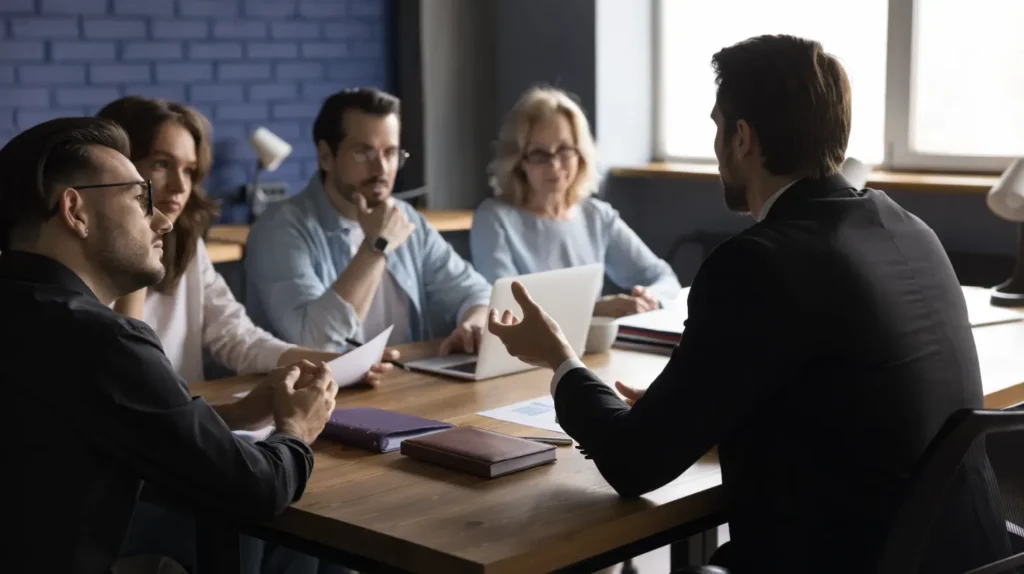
x: 981, y: 312
x: 538, y: 413
x: 352, y: 367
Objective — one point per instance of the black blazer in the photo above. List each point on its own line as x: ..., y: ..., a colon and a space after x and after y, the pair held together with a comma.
x: 824, y: 348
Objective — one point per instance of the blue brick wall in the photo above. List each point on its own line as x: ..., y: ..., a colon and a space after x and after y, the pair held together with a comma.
x: 243, y: 63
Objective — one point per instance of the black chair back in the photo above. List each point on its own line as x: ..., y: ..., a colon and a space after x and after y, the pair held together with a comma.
x: 994, y: 442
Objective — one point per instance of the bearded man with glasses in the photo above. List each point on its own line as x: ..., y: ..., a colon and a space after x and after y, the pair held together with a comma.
x: 94, y: 406
x: 343, y: 260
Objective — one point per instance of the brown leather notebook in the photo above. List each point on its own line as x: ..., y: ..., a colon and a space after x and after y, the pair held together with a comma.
x: 477, y: 451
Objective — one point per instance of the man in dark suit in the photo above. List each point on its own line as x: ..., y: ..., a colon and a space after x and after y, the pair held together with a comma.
x: 824, y: 348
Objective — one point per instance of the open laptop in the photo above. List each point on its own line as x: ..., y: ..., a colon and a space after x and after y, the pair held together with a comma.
x: 567, y: 295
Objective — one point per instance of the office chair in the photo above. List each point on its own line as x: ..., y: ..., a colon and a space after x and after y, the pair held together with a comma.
x: 997, y: 436
x: 1001, y: 433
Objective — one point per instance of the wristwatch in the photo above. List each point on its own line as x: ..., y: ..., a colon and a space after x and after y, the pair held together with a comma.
x: 380, y: 245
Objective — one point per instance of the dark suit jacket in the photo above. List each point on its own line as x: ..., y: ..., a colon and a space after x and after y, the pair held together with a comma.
x: 824, y: 348
x: 92, y: 409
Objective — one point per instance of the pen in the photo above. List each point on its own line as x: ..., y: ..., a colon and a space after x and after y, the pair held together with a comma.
x: 398, y: 364
x: 550, y: 440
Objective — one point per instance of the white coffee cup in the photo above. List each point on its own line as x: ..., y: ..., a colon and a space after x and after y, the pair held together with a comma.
x: 601, y: 335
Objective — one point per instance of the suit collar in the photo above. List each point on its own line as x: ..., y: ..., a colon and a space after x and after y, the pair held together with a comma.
x: 809, y: 189
x: 771, y: 201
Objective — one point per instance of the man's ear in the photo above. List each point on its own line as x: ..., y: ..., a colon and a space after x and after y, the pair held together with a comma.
x: 743, y: 140
x: 324, y: 156
x: 71, y: 209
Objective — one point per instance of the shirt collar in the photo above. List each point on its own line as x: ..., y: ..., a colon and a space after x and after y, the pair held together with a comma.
x: 330, y: 220
x: 771, y: 201
x: 28, y: 267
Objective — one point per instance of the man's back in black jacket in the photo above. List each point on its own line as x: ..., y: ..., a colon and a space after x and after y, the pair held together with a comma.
x: 825, y: 347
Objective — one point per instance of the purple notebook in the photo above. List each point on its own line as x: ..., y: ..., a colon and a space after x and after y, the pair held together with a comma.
x: 377, y: 430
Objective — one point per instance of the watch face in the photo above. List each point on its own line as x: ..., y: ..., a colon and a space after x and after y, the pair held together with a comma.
x: 380, y: 244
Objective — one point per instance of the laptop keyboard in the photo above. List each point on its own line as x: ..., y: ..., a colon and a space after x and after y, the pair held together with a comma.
x: 469, y: 367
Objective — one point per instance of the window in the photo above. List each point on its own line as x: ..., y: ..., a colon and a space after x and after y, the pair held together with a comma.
x: 967, y: 80
x: 937, y: 84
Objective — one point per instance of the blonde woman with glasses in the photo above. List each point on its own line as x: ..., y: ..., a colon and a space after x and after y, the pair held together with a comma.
x: 544, y: 216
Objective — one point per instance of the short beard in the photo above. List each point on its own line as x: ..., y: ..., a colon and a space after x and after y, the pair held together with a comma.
x: 124, y: 262
x: 735, y: 197
x: 349, y: 191
x: 735, y: 193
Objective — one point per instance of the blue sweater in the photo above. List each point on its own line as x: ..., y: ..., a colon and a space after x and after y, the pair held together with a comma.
x: 508, y: 241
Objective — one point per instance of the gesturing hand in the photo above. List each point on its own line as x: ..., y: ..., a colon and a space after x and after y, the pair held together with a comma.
x: 536, y: 338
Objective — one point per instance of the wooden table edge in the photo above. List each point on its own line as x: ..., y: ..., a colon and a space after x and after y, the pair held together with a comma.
x: 704, y: 510
x: 1006, y: 398
x: 223, y: 252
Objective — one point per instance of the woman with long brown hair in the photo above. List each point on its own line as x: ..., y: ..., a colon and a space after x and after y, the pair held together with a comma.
x: 192, y: 308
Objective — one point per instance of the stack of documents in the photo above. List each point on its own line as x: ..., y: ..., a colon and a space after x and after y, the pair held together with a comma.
x: 661, y: 330
x: 656, y: 330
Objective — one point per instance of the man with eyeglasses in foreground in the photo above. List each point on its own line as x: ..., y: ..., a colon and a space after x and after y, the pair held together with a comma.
x: 95, y: 407
x: 343, y: 260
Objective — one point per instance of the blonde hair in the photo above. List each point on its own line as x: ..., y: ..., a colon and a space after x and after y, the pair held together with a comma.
x: 507, y: 178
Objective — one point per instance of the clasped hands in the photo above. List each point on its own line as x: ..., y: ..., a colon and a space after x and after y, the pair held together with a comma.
x: 297, y: 398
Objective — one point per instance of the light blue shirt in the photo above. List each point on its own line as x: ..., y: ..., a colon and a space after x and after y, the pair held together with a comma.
x: 299, y: 247
x: 508, y: 241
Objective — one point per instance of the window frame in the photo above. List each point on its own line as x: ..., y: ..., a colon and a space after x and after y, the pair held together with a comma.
x: 898, y: 156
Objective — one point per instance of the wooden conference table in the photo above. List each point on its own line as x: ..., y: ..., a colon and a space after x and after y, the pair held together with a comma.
x: 386, y: 512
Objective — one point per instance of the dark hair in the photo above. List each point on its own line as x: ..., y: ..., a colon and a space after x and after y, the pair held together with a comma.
x: 328, y: 125
x: 142, y: 118
x: 40, y: 160
x: 796, y: 98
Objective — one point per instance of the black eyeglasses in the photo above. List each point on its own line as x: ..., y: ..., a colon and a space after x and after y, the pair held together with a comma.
x: 146, y: 185
x: 392, y: 157
x: 541, y: 157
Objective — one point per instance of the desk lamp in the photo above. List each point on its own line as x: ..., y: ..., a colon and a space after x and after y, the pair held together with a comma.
x: 271, y: 150
x: 1006, y: 200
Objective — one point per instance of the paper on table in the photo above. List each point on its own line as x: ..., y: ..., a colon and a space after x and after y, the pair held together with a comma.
x: 980, y: 310
x: 538, y: 413
x: 351, y: 368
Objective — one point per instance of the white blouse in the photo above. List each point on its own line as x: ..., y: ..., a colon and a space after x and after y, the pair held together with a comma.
x: 202, y: 313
